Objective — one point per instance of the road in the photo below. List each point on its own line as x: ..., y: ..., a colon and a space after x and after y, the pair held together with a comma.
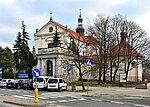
x: 67, y: 99
x: 7, y: 105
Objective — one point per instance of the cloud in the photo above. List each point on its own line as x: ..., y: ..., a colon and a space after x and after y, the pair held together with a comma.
x: 143, y: 21
x: 115, y: 2
x: 8, y: 2
x: 36, y: 14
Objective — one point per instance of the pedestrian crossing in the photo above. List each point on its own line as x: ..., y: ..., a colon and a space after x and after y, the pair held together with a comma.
x: 52, y: 99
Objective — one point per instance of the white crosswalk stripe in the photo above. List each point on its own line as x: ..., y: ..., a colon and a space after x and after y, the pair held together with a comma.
x: 23, y: 97
x: 60, y: 99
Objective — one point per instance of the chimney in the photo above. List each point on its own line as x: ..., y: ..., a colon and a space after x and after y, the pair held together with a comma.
x: 123, y: 37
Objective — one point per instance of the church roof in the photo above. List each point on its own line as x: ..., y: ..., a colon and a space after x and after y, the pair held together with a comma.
x: 123, y: 49
x: 86, y: 39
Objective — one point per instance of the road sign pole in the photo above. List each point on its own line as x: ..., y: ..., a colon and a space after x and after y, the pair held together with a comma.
x: 88, y: 68
x: 36, y: 74
x: 88, y: 84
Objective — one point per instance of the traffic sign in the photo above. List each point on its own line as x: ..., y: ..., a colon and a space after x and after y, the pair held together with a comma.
x: 1, y: 70
x: 68, y: 68
x: 88, y: 68
x: 36, y: 72
x: 88, y: 62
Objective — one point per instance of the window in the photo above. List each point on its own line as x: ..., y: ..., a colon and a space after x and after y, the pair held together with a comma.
x: 60, y: 81
x: 52, y: 81
x: 39, y: 79
x: 50, y: 29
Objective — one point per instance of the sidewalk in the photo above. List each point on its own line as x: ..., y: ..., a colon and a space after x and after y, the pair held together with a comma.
x: 23, y: 102
x: 103, y: 92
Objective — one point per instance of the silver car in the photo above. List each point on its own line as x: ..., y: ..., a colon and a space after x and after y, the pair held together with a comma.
x: 4, y: 82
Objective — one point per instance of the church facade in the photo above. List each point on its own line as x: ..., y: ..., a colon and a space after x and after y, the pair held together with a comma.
x: 51, y: 54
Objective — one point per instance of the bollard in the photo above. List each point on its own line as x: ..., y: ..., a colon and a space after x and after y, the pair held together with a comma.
x: 36, y: 100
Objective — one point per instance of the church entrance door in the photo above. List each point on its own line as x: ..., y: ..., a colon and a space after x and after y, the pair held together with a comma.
x: 49, y: 68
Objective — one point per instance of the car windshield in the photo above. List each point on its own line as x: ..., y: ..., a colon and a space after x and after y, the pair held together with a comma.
x: 12, y: 81
x: 39, y: 79
x: 3, y: 80
x: 26, y: 81
x: 6, y: 80
x: 52, y: 81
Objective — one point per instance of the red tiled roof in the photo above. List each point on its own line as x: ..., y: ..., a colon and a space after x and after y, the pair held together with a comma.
x: 86, y: 39
x: 123, y: 49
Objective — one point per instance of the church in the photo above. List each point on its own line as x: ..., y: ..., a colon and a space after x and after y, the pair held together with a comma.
x: 51, y: 49
x: 50, y: 54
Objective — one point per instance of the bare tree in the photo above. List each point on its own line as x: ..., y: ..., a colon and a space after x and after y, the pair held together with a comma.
x: 111, y: 50
x: 101, y: 30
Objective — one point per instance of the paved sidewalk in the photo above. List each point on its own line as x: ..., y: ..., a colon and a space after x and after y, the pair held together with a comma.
x: 103, y: 92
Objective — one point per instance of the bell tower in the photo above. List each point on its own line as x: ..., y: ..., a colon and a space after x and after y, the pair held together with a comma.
x: 80, y: 28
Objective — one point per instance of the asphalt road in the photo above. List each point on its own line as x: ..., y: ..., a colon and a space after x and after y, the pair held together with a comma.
x: 66, y: 99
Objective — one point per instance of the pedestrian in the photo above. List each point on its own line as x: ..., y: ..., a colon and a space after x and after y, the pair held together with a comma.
x: 145, y: 81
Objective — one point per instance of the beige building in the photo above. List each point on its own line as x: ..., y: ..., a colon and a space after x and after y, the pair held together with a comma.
x: 51, y: 56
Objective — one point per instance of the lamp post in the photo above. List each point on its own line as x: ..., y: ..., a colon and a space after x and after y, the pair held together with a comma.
x: 137, y: 68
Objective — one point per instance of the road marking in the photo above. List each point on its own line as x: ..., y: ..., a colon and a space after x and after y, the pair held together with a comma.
x: 24, y: 97
x: 82, y: 99
x: 53, y: 97
x: 116, y: 102
x: 52, y: 102
x: 138, y: 105
x: 73, y: 97
x: 133, y: 97
x: 73, y: 100
x: 34, y: 97
x: 96, y: 100
x: 62, y: 101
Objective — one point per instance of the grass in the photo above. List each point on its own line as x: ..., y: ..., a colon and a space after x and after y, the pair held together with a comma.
x: 91, y: 83
x: 105, y: 84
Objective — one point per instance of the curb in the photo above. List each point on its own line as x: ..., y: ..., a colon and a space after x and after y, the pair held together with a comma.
x: 27, y: 105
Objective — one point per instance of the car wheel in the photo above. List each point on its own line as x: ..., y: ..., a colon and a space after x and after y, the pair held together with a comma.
x: 18, y: 87
x: 66, y: 88
x: 60, y: 89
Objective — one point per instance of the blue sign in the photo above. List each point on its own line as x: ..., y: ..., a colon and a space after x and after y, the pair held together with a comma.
x: 68, y: 68
x: 36, y: 73
x: 88, y: 62
x: 22, y: 75
x: 1, y: 70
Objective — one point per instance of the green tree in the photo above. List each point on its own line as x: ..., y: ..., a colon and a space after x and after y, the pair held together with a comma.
x: 24, y: 59
x: 8, y: 59
x: 1, y: 57
x: 7, y: 75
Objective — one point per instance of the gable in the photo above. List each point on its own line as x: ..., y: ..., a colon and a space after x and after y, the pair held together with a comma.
x: 49, y: 28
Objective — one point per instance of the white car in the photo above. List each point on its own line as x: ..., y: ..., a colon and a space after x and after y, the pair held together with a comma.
x: 56, y: 84
x: 4, y: 82
x: 40, y: 82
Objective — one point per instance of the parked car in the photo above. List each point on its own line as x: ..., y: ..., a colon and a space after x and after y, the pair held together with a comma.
x: 27, y: 84
x: 56, y: 84
x: 14, y: 84
x: 40, y: 82
x: 4, y: 82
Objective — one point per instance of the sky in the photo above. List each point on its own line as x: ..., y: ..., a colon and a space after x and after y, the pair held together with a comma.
x: 36, y: 13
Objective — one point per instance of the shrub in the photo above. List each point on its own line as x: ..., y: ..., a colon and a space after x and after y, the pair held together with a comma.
x: 6, y: 75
